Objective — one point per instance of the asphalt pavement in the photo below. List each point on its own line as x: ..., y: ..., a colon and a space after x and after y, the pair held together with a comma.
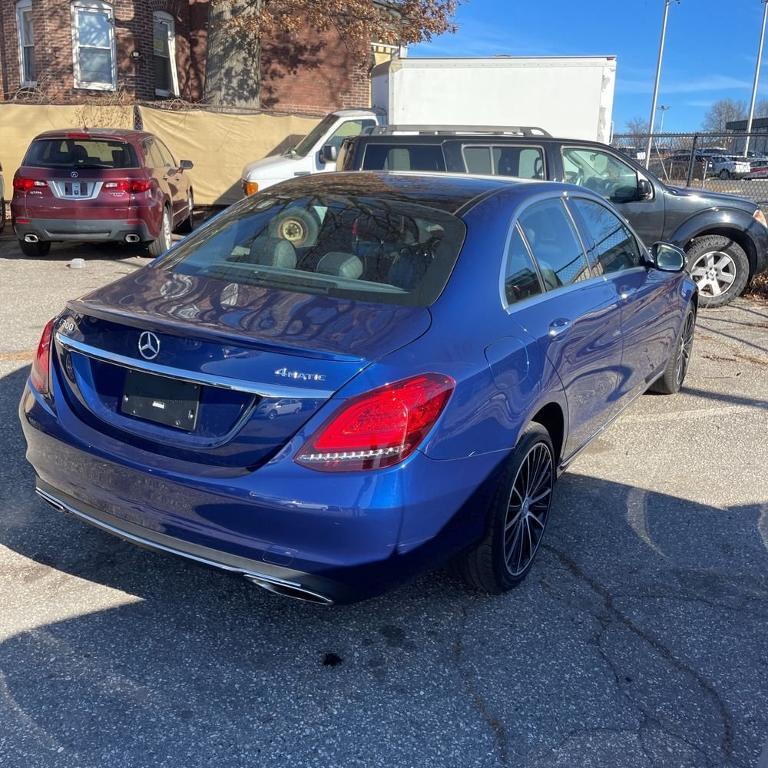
x: 640, y: 638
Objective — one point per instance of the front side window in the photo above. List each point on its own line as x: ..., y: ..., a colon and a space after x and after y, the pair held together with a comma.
x: 611, y: 247
x: 555, y: 244
x: 351, y: 247
x: 601, y: 172
x: 93, y: 42
x: 521, y: 280
x: 164, y: 54
x: 26, y: 43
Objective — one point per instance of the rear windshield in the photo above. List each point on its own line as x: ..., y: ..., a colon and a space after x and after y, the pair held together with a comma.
x: 365, y: 248
x: 80, y: 153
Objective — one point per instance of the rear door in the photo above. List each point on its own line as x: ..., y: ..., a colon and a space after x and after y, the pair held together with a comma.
x: 576, y: 320
x: 608, y: 175
x: 647, y: 296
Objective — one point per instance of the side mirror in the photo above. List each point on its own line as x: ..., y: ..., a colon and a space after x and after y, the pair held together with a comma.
x: 329, y: 153
x: 644, y: 189
x: 186, y: 165
x: 668, y: 258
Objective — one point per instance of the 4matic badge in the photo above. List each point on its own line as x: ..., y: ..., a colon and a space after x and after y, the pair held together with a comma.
x: 299, y: 375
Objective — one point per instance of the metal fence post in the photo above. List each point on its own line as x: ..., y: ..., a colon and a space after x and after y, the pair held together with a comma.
x: 692, y: 160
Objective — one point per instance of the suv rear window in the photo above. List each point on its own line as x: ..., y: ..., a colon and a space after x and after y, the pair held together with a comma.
x: 424, y: 157
x: 362, y: 247
x: 80, y: 153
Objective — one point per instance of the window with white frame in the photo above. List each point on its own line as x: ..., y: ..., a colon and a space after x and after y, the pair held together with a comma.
x: 93, y: 45
x: 27, y: 73
x: 164, y: 54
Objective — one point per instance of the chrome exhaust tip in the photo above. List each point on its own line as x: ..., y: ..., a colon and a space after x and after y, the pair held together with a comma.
x: 132, y: 238
x: 31, y: 238
x: 288, y: 589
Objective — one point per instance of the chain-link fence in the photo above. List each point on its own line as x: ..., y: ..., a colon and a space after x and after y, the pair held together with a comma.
x: 736, y: 163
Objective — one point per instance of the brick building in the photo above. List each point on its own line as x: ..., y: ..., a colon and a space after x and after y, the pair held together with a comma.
x: 66, y: 51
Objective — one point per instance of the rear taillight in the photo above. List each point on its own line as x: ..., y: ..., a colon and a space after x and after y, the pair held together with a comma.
x: 133, y: 186
x: 40, y: 374
x: 380, y: 428
x: 22, y: 184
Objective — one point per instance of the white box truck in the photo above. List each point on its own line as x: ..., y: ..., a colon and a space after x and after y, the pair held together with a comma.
x: 569, y: 96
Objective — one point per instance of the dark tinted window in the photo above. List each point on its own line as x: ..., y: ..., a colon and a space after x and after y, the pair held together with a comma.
x: 555, y: 244
x: 380, y: 157
x: 368, y: 248
x: 611, y: 246
x: 80, y: 153
x: 520, y: 278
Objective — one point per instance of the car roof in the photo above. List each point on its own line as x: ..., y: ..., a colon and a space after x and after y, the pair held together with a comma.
x: 481, y: 136
x: 124, y: 134
x: 454, y: 193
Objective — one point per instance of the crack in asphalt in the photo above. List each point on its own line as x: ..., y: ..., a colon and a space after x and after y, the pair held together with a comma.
x: 496, y: 725
x: 611, y: 614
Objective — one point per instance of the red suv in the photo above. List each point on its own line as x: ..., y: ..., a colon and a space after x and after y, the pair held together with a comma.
x: 100, y: 185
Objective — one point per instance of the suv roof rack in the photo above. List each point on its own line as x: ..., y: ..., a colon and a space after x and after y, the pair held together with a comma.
x: 448, y: 130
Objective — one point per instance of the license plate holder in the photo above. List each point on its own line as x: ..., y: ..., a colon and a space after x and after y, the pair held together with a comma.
x: 160, y: 399
x: 75, y: 189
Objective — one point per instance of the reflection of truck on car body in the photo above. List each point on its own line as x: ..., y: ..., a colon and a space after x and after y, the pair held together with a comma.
x: 566, y: 96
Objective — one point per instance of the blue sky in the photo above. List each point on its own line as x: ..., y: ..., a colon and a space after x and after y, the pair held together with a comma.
x: 710, y: 52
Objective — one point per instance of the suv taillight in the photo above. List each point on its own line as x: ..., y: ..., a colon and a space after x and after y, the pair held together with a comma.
x: 40, y: 374
x: 379, y: 428
x: 133, y: 186
x: 22, y: 184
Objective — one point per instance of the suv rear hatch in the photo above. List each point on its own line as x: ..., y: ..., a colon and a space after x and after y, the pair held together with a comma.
x: 221, y: 374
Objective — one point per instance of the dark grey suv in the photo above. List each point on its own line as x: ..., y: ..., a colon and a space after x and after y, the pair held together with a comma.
x: 725, y: 237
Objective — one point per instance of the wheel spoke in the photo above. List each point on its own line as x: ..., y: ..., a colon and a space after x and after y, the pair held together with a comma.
x: 726, y: 277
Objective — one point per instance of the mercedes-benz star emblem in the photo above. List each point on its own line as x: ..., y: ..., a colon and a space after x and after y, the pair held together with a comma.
x: 74, y: 174
x: 149, y: 345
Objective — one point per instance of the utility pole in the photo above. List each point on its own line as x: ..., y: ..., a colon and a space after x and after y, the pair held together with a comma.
x: 757, y: 77
x: 663, y: 109
x: 652, y: 118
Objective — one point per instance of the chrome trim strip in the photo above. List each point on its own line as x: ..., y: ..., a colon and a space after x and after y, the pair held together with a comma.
x: 250, y: 575
x: 238, y: 385
x: 57, y: 187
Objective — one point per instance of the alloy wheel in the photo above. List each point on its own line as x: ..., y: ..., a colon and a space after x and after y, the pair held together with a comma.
x: 714, y: 273
x: 686, y: 347
x: 528, y: 508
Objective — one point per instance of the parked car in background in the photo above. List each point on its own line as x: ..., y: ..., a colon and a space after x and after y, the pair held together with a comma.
x: 725, y: 237
x: 730, y: 166
x: 676, y: 166
x: 426, y: 431
x: 100, y: 185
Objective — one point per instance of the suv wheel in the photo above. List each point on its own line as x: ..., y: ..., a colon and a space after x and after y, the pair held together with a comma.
x: 164, y: 240
x: 40, y: 248
x: 719, y: 267
x: 2, y: 215
x: 725, y: 174
x: 518, y: 516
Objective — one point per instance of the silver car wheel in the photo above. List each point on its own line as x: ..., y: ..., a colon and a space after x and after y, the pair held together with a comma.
x: 714, y: 272
x: 528, y: 508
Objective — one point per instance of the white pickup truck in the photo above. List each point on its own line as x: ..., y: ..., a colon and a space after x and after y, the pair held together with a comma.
x: 566, y: 96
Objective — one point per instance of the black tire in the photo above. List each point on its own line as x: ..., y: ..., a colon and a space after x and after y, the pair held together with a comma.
x: 35, y: 249
x: 713, y: 259
x: 298, y: 227
x: 671, y: 381
x: 2, y: 215
x: 163, y: 242
x: 725, y: 174
x: 485, y: 567
x: 188, y: 224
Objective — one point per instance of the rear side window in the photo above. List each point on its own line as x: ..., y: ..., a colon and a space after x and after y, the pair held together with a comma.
x: 380, y: 157
x: 550, y: 233
x: 521, y: 280
x: 80, y: 153
x: 358, y: 247
x: 505, y: 160
x: 611, y: 247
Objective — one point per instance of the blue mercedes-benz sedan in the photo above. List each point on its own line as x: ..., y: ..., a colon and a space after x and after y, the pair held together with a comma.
x: 351, y: 377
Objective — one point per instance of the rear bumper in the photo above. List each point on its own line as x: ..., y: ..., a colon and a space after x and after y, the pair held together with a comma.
x: 342, y: 538
x: 98, y: 230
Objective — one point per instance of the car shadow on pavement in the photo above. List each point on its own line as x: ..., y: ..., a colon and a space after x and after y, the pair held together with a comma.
x: 69, y: 251
x: 638, y: 639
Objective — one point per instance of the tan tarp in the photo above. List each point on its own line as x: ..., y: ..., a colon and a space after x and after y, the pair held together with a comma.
x: 20, y: 123
x: 221, y: 144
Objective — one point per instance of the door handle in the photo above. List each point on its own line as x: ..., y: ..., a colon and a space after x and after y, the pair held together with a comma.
x: 556, y: 327
x: 626, y: 292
